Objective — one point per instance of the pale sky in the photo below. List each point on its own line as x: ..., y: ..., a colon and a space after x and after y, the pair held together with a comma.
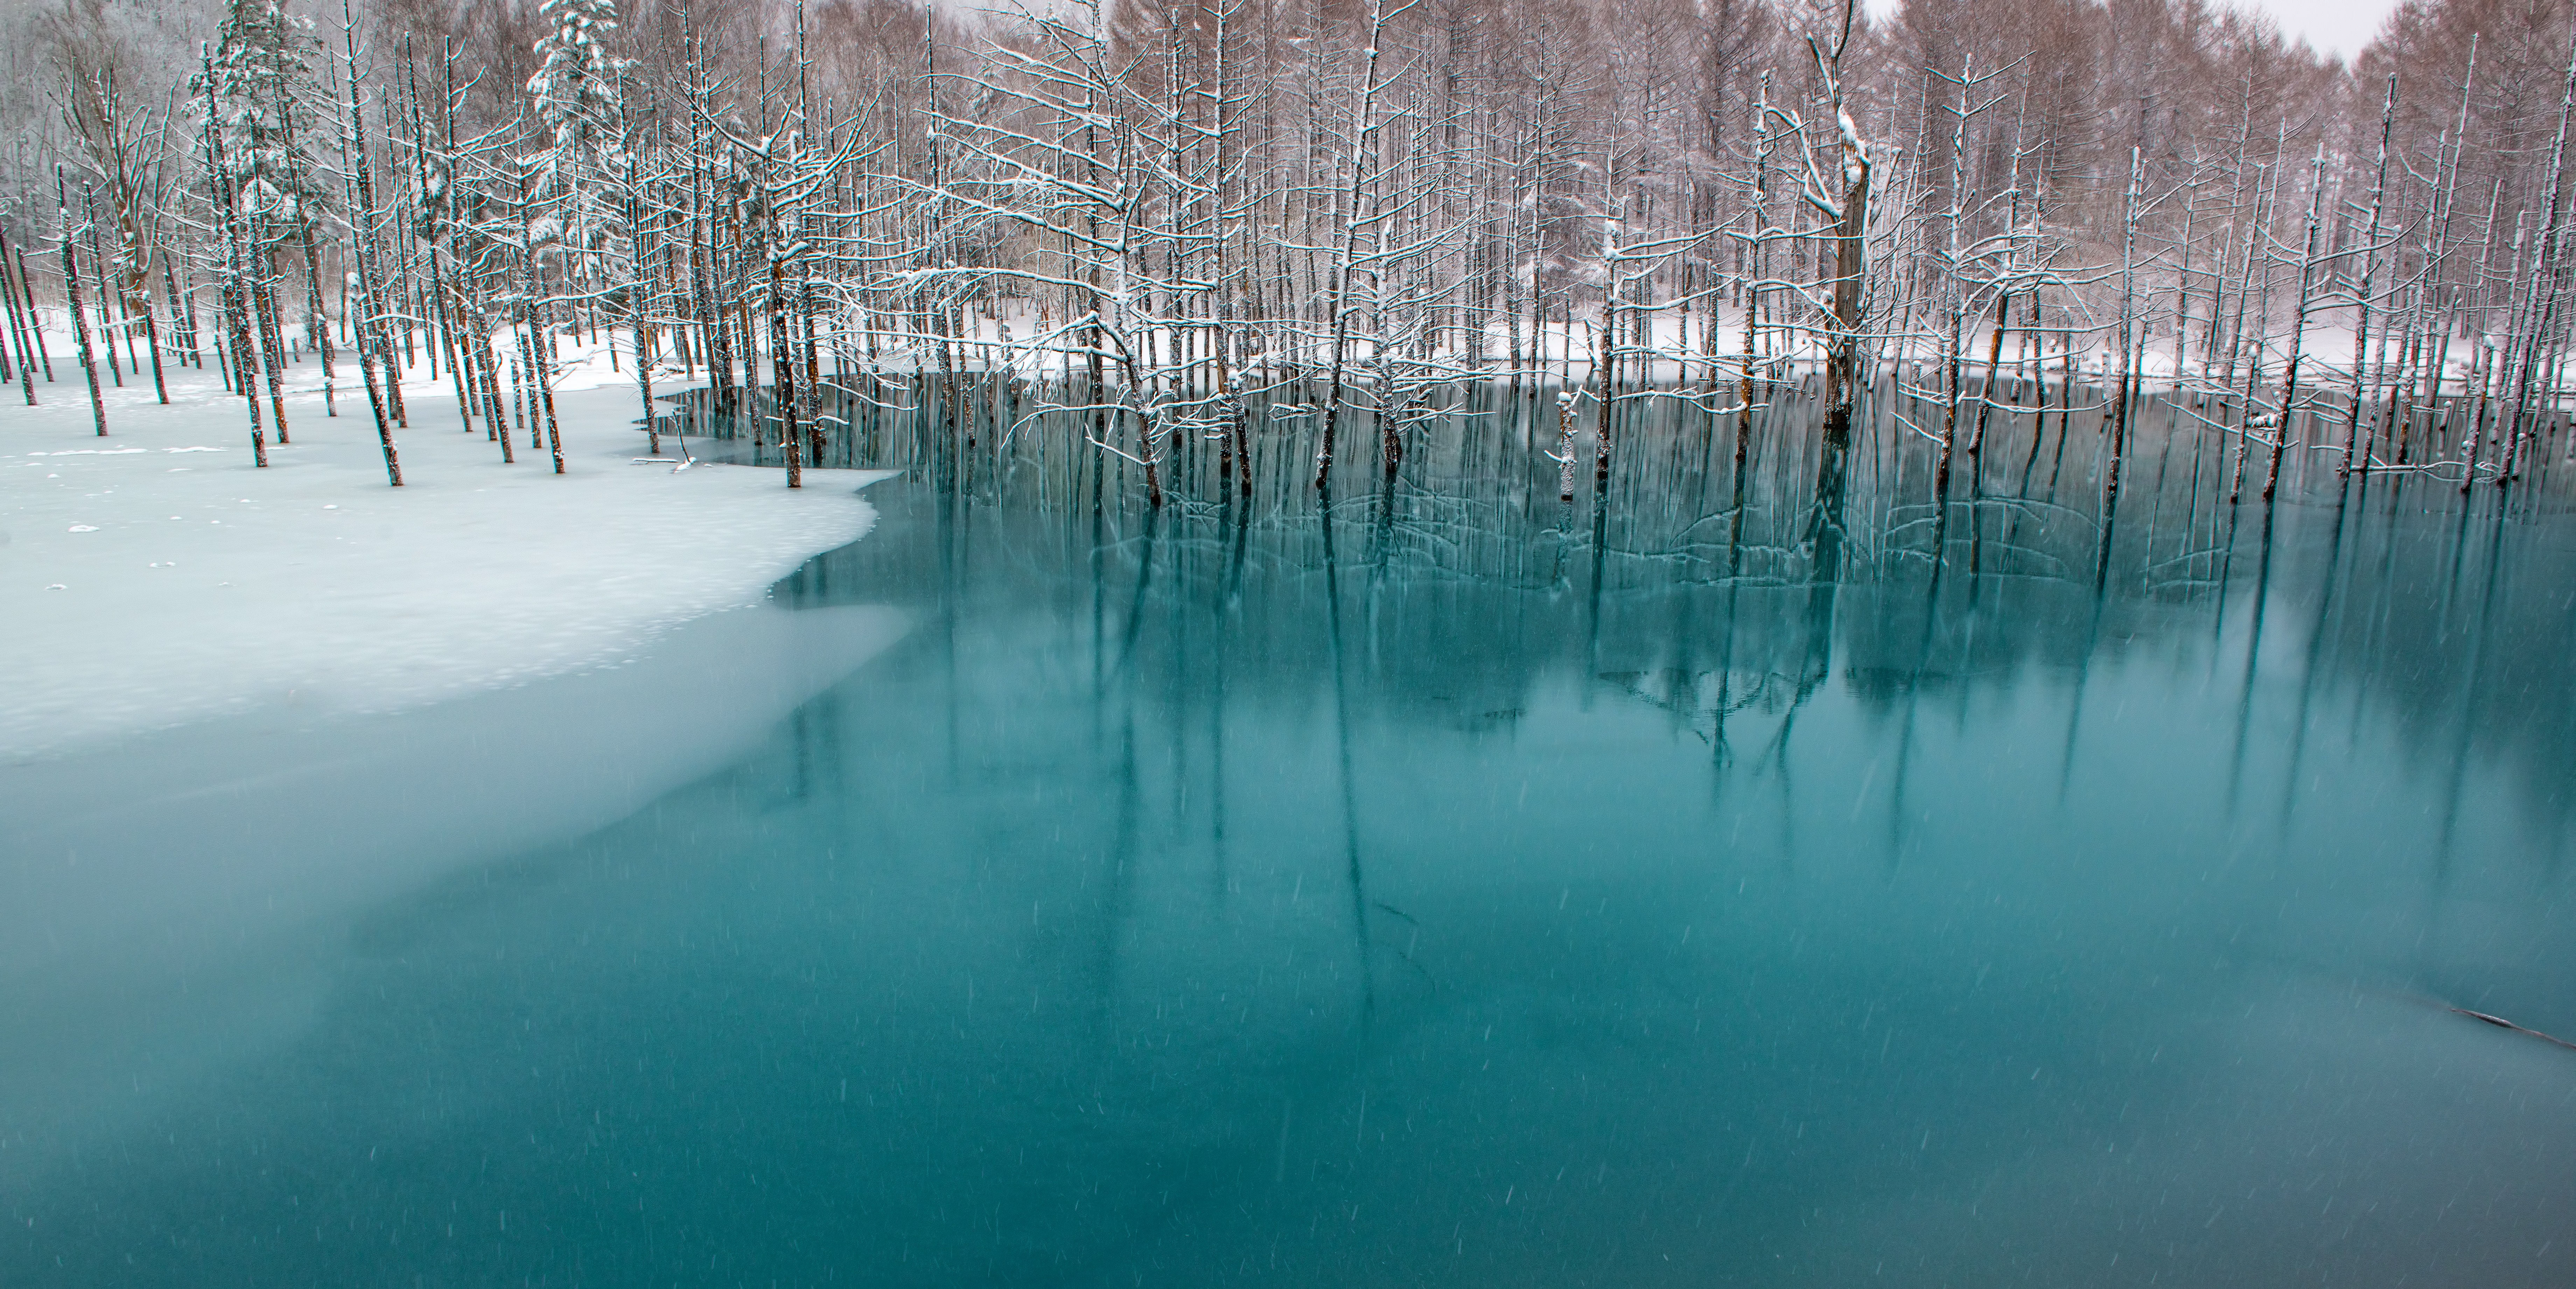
x: 2339, y: 27
x: 2335, y: 27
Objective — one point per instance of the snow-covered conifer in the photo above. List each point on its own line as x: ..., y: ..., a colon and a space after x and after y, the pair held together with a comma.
x: 576, y: 100
x: 261, y: 90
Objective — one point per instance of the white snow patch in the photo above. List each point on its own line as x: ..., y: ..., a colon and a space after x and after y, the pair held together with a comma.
x: 474, y: 575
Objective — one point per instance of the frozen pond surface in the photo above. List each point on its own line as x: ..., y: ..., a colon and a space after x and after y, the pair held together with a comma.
x: 1705, y: 886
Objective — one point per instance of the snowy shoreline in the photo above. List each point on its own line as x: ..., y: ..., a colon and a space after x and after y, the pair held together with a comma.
x: 156, y: 578
x: 202, y: 769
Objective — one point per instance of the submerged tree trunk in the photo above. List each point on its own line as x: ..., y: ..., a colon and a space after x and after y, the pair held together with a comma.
x: 1843, y: 335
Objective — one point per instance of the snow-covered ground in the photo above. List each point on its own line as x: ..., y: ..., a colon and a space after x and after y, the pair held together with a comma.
x: 156, y: 577
x: 1568, y: 349
x: 243, y: 706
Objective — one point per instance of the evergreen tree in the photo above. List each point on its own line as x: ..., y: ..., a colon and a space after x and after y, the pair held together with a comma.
x: 576, y: 99
x: 261, y: 81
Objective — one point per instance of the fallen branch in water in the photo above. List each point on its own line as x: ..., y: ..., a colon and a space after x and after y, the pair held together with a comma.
x: 2501, y: 1023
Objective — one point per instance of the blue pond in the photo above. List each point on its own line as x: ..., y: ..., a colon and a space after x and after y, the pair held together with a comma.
x: 1749, y: 872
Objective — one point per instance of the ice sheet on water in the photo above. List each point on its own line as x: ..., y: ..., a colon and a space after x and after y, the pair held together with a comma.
x: 324, y: 586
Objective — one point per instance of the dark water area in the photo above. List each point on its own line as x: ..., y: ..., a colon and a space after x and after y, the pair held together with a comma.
x: 1750, y: 874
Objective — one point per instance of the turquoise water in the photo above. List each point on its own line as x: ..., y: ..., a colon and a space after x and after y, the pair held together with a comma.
x: 1757, y: 877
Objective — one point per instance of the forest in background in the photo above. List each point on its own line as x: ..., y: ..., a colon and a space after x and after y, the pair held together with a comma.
x: 1158, y: 205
